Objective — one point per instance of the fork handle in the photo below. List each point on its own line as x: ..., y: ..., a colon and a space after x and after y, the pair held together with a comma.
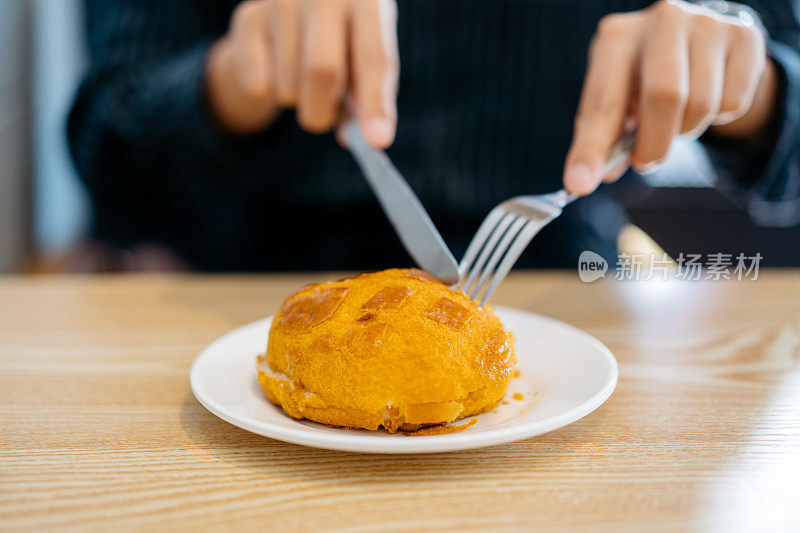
x: 619, y: 152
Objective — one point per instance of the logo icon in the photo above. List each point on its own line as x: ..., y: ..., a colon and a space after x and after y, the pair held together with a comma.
x: 591, y: 266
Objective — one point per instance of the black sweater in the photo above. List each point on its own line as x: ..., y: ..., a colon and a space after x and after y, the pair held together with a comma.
x: 488, y: 92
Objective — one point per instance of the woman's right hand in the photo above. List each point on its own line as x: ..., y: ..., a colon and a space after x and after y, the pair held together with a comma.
x: 310, y: 55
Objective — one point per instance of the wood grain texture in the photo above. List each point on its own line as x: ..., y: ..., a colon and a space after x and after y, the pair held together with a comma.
x: 99, y: 429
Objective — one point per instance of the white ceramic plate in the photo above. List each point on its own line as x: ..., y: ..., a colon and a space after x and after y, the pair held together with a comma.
x: 565, y: 374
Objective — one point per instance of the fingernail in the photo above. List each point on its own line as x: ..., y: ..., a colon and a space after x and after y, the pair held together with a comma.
x: 579, y: 178
x: 379, y: 131
x: 647, y: 168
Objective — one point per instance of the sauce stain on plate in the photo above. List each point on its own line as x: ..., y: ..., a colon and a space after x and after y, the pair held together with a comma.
x: 441, y: 430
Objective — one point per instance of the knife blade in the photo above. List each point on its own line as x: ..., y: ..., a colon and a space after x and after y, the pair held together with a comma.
x: 402, y: 207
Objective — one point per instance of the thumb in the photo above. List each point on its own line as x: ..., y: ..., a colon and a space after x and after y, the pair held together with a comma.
x: 582, y: 168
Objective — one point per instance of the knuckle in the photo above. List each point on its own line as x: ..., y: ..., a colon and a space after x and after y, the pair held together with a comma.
x: 733, y: 101
x: 749, y: 37
x: 699, y: 106
x: 747, y: 34
x: 245, y: 13
x: 322, y: 73
x: 282, y: 4
x: 666, y: 8
x: 706, y: 23
x: 280, y: 8
x: 599, y: 104
x: 611, y: 26
x: 665, y: 95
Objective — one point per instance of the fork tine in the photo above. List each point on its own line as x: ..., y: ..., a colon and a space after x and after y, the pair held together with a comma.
x: 537, y: 211
x: 494, y: 238
x: 478, y: 241
x: 521, y: 242
x: 498, y: 254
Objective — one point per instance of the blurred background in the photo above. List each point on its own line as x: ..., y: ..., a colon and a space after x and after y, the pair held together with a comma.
x: 44, y: 211
x: 45, y: 214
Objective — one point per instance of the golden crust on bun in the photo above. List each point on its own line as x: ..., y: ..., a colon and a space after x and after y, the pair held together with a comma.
x: 395, y: 348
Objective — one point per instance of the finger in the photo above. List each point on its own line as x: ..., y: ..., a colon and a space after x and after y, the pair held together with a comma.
x: 249, y: 52
x: 376, y: 68
x: 324, y: 63
x: 616, y: 173
x: 343, y: 118
x: 665, y: 86
x: 743, y: 69
x: 707, y: 51
x: 604, y: 101
x: 283, y: 21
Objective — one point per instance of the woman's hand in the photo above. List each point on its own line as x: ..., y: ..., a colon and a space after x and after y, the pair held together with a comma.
x: 675, y: 69
x: 310, y: 55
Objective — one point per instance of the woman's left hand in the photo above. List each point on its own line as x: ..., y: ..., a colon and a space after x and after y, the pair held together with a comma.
x: 675, y: 69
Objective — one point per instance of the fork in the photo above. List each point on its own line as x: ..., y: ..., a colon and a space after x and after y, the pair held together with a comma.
x: 509, y: 227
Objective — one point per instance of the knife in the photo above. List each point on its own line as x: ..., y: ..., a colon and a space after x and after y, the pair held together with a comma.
x: 402, y: 207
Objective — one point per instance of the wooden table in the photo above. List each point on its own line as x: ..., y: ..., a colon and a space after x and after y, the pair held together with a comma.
x: 100, y: 429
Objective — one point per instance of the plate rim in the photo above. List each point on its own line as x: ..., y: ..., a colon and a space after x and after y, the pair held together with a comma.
x: 422, y: 444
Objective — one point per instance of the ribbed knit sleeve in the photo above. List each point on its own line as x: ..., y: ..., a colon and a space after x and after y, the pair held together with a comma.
x: 764, y: 173
x: 154, y: 161
x: 141, y: 110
